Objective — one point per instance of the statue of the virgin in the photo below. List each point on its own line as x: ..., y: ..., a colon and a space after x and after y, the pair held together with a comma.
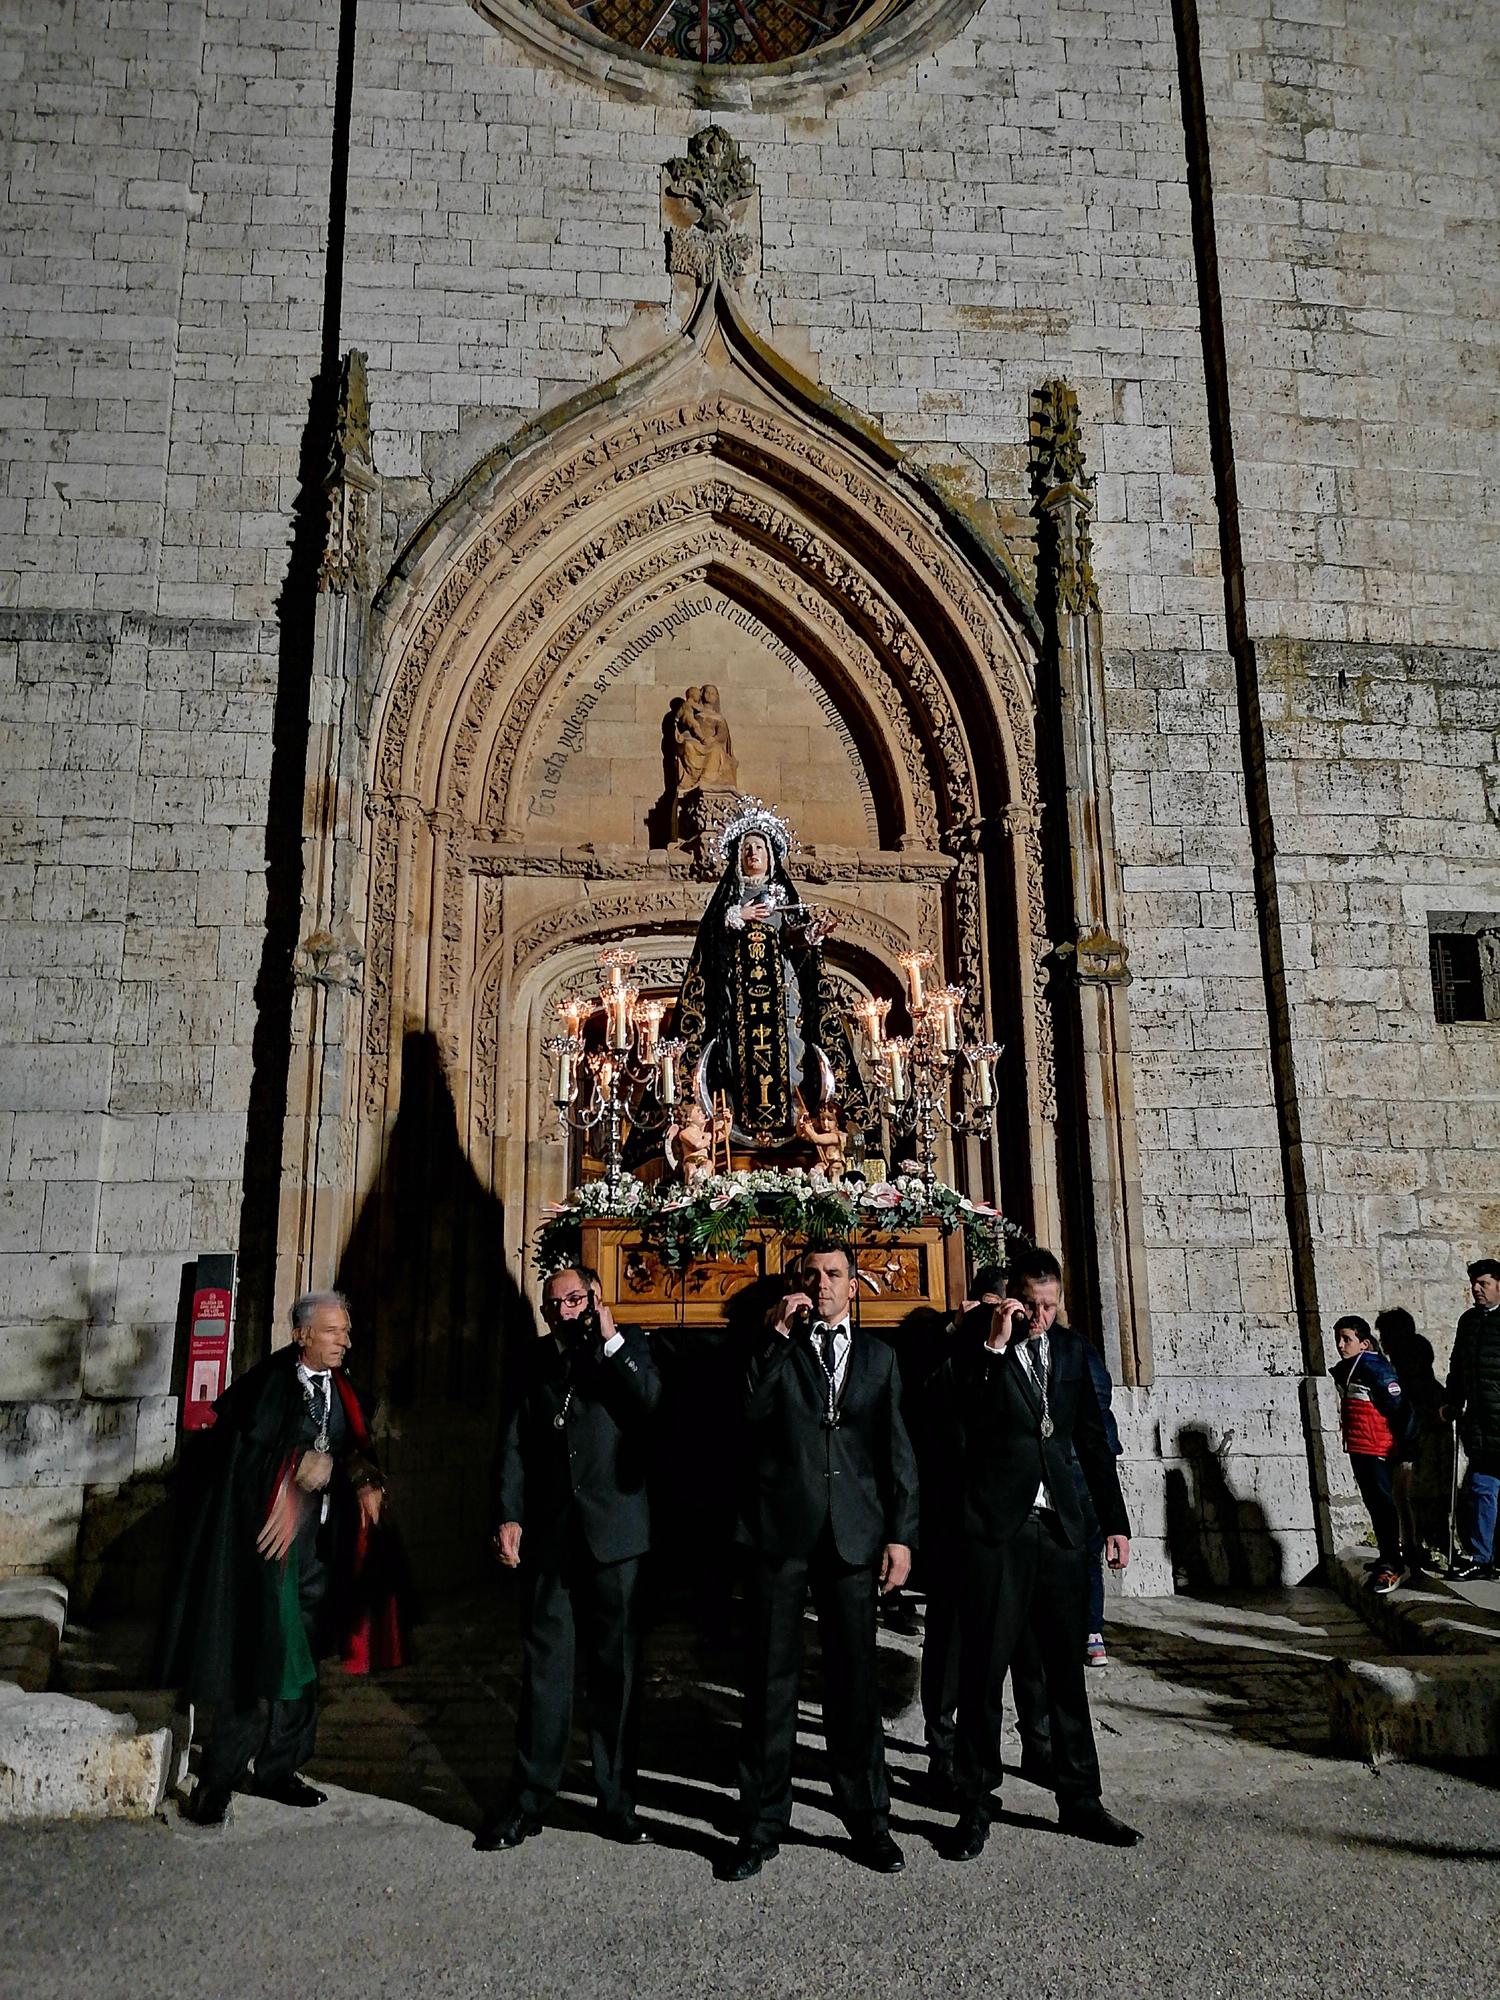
x: 758, y: 1014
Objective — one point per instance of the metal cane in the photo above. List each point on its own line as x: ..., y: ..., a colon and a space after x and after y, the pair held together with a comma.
x: 1452, y: 1490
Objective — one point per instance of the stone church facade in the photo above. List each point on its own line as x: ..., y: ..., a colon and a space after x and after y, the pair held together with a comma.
x: 1066, y: 435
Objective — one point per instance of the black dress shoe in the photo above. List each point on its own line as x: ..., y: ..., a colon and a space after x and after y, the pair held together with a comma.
x: 1470, y: 1570
x: 626, y: 1828
x: 207, y: 1807
x: 508, y: 1831
x: 1090, y: 1821
x: 878, y: 1851
x: 969, y: 1836
x: 747, y: 1859
x: 293, y: 1791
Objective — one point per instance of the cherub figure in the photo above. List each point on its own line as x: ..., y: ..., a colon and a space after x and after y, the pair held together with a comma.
x: 690, y: 1143
x: 823, y: 1132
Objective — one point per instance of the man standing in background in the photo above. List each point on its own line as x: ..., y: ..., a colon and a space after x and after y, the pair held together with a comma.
x: 1472, y: 1399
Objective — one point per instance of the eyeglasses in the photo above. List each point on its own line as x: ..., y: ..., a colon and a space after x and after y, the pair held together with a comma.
x: 570, y: 1299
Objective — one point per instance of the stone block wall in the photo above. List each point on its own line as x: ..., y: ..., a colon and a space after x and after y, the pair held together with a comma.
x: 1219, y: 1435
x: 134, y: 846
x: 1384, y: 764
x: 163, y: 307
x: 1353, y: 150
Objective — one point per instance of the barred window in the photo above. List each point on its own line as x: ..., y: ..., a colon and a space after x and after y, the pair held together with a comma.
x: 1464, y: 956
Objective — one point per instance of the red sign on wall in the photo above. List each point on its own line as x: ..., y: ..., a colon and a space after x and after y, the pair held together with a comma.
x: 208, y: 1357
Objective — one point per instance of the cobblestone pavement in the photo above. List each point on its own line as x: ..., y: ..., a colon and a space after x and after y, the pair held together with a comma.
x: 1270, y: 1867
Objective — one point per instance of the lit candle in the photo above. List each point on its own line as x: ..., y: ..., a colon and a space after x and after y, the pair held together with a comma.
x: 950, y: 999
x: 648, y: 1015
x: 985, y: 1082
x: 564, y: 1087
x: 896, y: 1071
x: 572, y: 1011
x: 915, y: 963
x: 620, y: 1005
x: 666, y: 1080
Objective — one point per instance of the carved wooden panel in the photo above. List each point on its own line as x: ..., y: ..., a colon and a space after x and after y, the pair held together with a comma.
x: 899, y: 1271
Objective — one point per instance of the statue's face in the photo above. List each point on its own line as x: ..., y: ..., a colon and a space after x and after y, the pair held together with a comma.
x: 755, y: 856
x: 710, y: 695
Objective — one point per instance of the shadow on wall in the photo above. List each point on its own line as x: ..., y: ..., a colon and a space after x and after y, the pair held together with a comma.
x: 434, y: 1308
x: 1216, y: 1540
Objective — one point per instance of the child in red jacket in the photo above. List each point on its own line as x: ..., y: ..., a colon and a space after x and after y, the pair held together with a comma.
x: 1374, y: 1419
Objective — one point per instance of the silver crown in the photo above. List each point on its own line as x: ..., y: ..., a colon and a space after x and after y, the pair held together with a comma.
x: 755, y: 816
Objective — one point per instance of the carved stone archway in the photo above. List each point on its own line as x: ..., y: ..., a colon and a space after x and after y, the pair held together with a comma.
x: 482, y: 815
x: 711, y: 467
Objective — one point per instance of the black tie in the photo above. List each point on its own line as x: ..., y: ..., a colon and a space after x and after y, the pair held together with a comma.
x: 829, y: 1350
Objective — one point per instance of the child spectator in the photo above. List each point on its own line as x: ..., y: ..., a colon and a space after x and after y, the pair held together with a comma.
x: 1374, y: 1420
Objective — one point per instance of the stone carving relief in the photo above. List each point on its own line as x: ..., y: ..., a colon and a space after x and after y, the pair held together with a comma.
x: 623, y: 458
x: 604, y: 918
x: 667, y: 580
x: 714, y: 178
x: 1064, y: 497
x: 847, y: 606
x: 830, y: 544
x: 349, y: 481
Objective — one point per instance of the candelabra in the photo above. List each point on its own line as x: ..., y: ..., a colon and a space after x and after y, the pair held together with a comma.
x: 929, y: 1080
x: 632, y: 1080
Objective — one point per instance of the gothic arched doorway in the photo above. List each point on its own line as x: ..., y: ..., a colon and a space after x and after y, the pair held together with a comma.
x: 708, y: 515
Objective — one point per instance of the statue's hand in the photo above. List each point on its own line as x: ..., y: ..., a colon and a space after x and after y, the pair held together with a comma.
x: 823, y: 925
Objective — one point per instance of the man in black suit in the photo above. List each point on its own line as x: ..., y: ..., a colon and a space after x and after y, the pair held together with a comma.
x: 575, y: 1520
x: 829, y: 1502
x: 1012, y: 1396
x: 927, y: 1339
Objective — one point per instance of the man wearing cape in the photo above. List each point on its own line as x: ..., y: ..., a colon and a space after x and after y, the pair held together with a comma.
x: 286, y: 1558
x: 758, y: 1015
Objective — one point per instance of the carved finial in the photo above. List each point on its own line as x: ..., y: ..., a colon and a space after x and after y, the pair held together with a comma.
x: 715, y: 178
x: 1063, y: 492
x: 351, y: 430
x: 1056, y: 440
x: 350, y: 479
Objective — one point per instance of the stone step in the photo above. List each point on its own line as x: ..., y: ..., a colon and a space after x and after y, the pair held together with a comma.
x: 33, y: 1611
x: 1423, y: 1708
x: 1428, y: 1615
x: 61, y: 1757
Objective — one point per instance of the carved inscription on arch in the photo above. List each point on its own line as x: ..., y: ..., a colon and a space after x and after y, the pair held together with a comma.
x: 715, y: 426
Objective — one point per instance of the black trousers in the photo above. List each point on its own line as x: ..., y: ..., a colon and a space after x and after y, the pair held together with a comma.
x: 569, y: 1605
x: 1032, y: 1585
x: 940, y: 1656
x: 844, y: 1598
x: 1372, y: 1475
x: 279, y: 1736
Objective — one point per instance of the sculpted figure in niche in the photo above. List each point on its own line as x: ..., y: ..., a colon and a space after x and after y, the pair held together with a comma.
x: 762, y: 1023
x: 705, y: 755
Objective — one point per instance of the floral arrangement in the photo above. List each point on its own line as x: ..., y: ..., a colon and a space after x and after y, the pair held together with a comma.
x: 713, y: 1216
